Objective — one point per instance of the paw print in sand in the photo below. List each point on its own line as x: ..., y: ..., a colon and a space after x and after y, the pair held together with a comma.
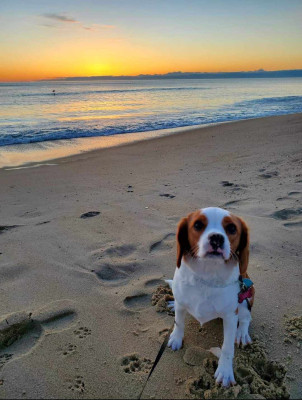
x: 78, y: 385
x: 68, y: 349
x: 132, y: 363
x: 4, y: 358
x: 82, y: 332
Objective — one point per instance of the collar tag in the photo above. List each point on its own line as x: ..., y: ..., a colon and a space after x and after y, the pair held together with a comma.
x: 246, y: 285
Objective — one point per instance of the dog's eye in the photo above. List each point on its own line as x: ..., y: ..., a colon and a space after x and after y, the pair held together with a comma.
x: 198, y: 225
x: 231, y: 229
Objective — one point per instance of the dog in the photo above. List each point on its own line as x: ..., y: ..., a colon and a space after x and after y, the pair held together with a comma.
x: 209, y: 281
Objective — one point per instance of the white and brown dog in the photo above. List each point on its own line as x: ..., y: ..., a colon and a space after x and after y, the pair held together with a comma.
x: 212, y: 253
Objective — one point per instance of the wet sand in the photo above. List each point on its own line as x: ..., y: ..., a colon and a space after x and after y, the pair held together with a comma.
x: 85, y: 241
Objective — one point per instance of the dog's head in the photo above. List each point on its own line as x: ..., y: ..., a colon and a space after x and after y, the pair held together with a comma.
x: 213, y: 233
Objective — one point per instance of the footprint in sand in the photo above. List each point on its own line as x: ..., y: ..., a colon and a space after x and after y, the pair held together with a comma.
x: 5, y: 228
x: 166, y: 243
x: 115, y: 274
x: 283, y: 198
x: 109, y: 268
x: 234, y: 187
x: 168, y: 195
x: 138, y: 302
x: 90, y: 214
x: 42, y: 223
x: 227, y: 183
x: 77, y: 385
x: 269, y: 175
x: 118, y: 251
x: 287, y: 213
x: 132, y: 363
x: 235, y: 202
x: 154, y: 282
x: 20, y: 332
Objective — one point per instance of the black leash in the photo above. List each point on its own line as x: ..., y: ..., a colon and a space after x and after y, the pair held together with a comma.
x: 158, y: 357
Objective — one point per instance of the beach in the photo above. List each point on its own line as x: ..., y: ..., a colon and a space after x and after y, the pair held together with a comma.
x: 86, y: 240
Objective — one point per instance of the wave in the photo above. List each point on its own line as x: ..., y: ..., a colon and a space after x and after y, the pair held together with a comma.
x: 271, y: 100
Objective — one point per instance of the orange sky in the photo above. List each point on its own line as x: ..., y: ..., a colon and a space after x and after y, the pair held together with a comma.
x: 39, y: 41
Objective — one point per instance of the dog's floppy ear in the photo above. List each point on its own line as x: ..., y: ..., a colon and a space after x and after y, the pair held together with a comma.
x: 183, y: 245
x: 243, y: 250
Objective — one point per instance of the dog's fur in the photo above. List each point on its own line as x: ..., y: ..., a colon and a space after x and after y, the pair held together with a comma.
x: 212, y: 251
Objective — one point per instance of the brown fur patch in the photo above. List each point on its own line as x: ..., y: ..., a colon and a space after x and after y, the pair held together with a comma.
x: 188, y: 236
x: 239, y: 241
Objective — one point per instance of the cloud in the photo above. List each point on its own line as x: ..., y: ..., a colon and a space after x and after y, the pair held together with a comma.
x: 60, y: 17
x: 48, y: 25
x: 65, y: 19
x: 95, y: 27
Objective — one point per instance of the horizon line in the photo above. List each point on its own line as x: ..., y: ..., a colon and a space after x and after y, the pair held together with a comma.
x: 260, y: 73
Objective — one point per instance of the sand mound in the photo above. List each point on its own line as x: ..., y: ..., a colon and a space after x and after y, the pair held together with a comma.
x: 256, y: 377
x: 160, y: 299
x: 294, y: 327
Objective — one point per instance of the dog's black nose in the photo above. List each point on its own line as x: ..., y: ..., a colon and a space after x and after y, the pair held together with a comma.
x: 216, y: 241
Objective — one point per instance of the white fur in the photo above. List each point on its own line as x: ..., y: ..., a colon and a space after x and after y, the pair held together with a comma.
x: 208, y: 288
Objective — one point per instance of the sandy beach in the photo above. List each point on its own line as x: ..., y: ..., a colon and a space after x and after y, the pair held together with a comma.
x: 76, y: 316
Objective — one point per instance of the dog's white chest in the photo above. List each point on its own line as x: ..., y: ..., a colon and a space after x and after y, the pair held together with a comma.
x: 204, y: 302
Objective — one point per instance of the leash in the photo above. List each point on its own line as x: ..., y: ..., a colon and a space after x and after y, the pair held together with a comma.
x: 158, y: 357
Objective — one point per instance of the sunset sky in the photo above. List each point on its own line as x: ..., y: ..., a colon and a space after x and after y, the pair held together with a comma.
x: 46, y: 39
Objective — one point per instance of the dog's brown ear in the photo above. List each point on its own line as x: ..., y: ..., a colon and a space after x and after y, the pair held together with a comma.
x: 243, y: 250
x: 183, y: 245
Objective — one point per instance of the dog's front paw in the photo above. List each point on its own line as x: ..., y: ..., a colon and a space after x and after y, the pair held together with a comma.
x: 171, y: 305
x: 224, y: 373
x: 175, y: 340
x: 242, y: 335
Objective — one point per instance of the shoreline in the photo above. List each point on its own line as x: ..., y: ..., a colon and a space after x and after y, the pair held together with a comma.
x: 53, y: 150
x: 31, y: 155
x: 85, y: 244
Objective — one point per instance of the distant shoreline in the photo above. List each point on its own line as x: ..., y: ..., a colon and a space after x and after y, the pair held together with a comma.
x: 295, y: 73
x: 290, y: 73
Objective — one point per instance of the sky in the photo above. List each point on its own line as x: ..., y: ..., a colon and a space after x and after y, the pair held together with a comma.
x: 42, y: 39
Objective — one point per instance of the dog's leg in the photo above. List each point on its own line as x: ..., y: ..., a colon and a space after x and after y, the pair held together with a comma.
x: 176, y: 337
x: 224, y: 373
x: 244, y: 316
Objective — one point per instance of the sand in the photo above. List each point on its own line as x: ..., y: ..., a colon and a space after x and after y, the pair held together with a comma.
x: 85, y: 242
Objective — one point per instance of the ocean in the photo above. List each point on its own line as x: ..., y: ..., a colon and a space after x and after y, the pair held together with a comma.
x: 30, y: 112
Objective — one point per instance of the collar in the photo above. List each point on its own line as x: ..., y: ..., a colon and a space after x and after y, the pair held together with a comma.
x: 245, y: 293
